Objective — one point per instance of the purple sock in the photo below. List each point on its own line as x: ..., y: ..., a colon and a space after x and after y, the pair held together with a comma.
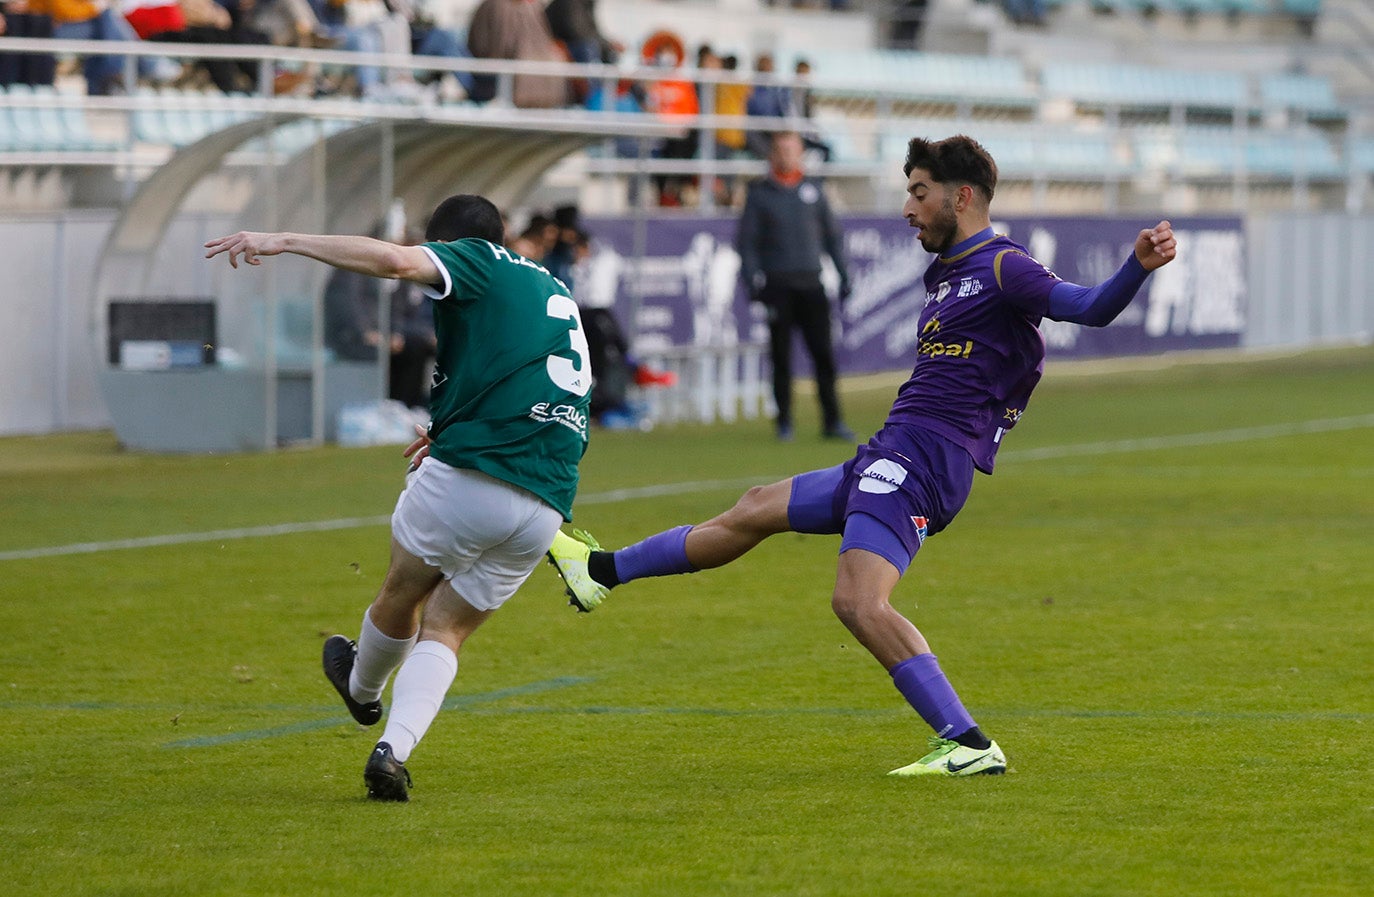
x: 662, y: 554
x: 923, y: 684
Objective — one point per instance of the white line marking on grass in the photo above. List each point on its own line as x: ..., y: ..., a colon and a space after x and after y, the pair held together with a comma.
x: 1082, y: 449
x: 247, y: 532
x: 285, y: 529
x: 1190, y: 440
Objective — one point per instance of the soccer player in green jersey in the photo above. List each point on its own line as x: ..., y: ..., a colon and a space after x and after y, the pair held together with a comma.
x: 492, y: 478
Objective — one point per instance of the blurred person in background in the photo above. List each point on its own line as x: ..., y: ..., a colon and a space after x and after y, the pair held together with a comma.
x: 784, y: 231
x: 199, y: 22
x: 97, y: 20
x: 574, y: 23
x: 803, y: 104
x: 517, y: 29
x: 767, y: 100
x: 672, y: 97
x: 26, y: 18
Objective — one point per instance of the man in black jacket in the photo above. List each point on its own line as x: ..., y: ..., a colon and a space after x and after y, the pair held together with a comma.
x: 786, y: 227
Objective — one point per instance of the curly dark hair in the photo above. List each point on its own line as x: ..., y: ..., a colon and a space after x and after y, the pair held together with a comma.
x: 954, y: 160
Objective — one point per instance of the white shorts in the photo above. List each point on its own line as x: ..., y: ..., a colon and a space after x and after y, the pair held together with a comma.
x: 484, y: 534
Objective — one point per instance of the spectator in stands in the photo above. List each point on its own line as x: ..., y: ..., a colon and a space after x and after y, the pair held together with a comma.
x: 1025, y: 12
x: 732, y: 98
x: 574, y: 23
x: 672, y: 97
x: 96, y: 20
x: 428, y: 38
x: 198, y: 22
x: 517, y: 29
x: 26, y: 18
x: 907, y: 21
x: 367, y: 26
x: 785, y: 229
x: 767, y: 100
x: 803, y: 104
x: 290, y: 23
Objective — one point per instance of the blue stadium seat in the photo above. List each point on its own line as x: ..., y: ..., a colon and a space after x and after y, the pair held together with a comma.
x: 1304, y: 8
x: 146, y: 122
x: 918, y: 76
x: 1362, y: 155
x: 27, y: 132
x: 1309, y: 94
x: 70, y: 121
x: 1216, y: 152
x: 1140, y: 87
x: 1021, y: 150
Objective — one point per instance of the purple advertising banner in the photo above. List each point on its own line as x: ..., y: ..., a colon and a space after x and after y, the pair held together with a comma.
x: 687, y: 291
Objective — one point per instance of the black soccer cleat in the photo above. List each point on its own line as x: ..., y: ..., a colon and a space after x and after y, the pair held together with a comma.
x: 339, y: 652
x: 387, y: 778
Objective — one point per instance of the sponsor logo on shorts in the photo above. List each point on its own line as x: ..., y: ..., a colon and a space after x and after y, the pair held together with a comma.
x: 921, y: 529
x: 881, y: 477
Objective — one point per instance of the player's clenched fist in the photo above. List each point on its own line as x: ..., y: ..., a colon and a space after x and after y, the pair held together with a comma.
x: 1156, y: 246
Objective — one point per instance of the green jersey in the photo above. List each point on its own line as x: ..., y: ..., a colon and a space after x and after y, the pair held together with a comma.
x: 512, y: 375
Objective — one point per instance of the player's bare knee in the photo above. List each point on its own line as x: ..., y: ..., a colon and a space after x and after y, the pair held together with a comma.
x: 853, y: 607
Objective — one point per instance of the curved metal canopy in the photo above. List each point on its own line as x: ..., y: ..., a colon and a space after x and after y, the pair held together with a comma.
x: 429, y: 160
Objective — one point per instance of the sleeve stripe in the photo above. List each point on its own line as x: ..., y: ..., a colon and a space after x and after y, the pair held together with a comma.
x: 429, y: 291
x: 997, y: 266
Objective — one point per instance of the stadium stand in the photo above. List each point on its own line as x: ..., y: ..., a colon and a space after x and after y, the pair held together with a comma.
x: 1152, y: 98
x: 964, y: 81
x: 1144, y: 88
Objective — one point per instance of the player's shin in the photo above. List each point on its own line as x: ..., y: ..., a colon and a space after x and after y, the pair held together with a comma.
x: 421, y: 684
x: 927, y: 690
x: 378, y: 657
x: 662, y: 554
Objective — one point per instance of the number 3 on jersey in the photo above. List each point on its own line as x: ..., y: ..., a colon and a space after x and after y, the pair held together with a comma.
x: 576, y: 379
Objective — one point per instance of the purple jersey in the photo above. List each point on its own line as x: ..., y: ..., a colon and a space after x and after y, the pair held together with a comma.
x: 980, y: 352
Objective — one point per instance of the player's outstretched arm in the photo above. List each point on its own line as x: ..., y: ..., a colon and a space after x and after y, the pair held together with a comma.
x: 1156, y: 247
x: 364, y: 255
x: 1098, y: 306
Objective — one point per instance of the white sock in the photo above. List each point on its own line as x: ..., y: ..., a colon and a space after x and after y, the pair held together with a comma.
x: 378, y: 657
x: 418, y: 694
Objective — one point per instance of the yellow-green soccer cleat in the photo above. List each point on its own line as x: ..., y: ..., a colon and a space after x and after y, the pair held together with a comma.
x: 949, y: 758
x: 569, y: 555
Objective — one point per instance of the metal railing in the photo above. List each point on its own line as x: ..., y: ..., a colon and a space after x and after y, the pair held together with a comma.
x: 862, y: 134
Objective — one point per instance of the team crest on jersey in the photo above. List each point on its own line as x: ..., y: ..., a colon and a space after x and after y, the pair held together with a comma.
x: 921, y: 528
x: 939, y: 295
x: 808, y: 193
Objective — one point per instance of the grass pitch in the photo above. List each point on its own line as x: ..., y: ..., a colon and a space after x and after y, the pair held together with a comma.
x: 1159, y: 606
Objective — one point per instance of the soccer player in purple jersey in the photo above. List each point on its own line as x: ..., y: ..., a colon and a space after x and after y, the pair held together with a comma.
x: 979, y: 356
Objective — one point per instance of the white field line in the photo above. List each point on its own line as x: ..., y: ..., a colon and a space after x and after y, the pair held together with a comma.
x: 1074, y: 450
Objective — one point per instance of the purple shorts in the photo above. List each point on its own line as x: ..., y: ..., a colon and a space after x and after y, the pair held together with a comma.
x: 903, y: 485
